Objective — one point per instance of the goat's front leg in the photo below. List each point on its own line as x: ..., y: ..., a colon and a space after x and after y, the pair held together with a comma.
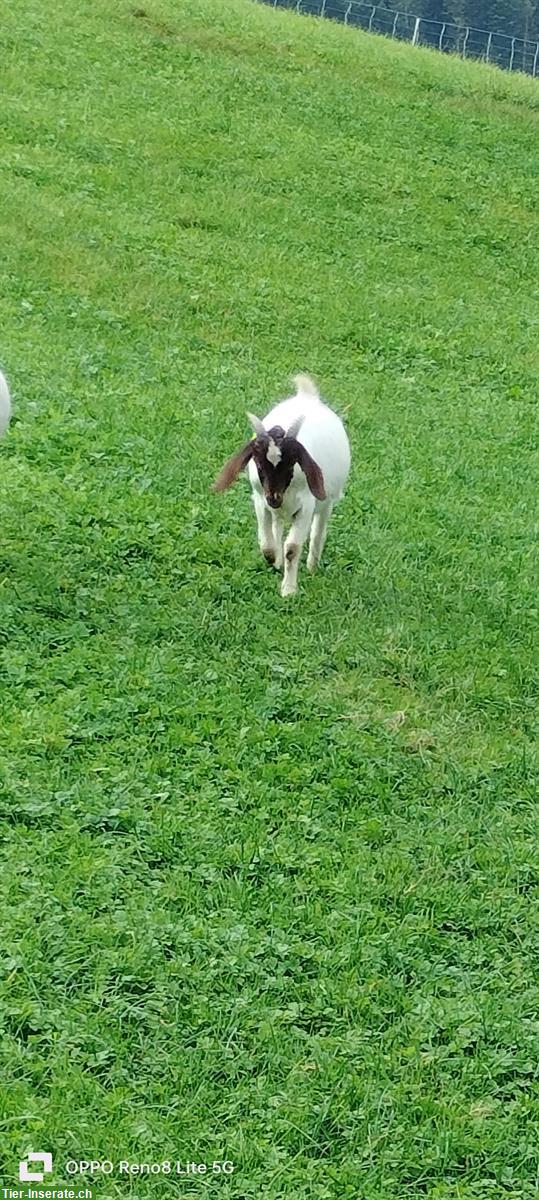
x: 293, y: 546
x: 266, y: 539
x: 319, y: 529
x: 278, y: 532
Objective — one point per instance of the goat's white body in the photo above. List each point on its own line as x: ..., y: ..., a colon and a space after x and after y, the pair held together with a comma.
x: 5, y: 404
x: 324, y: 436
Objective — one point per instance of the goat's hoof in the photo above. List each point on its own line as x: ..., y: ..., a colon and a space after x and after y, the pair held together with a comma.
x: 269, y: 556
x: 312, y: 564
x: 288, y: 589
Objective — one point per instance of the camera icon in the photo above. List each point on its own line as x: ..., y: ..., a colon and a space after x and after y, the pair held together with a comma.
x: 37, y: 1156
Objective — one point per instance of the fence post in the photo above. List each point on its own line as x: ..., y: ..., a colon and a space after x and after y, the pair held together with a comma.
x: 441, y: 38
x: 395, y: 24
x: 323, y: 9
x: 489, y: 44
x: 464, y: 44
x: 416, y: 31
x: 371, y: 17
x: 347, y: 13
x: 512, y: 54
x: 535, y: 59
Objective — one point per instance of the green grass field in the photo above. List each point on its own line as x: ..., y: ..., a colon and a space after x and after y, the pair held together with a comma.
x: 269, y: 869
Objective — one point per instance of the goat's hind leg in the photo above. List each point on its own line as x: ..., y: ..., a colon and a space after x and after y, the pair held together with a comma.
x: 319, y: 529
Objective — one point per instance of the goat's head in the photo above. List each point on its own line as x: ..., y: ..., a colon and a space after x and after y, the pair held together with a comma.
x: 275, y: 454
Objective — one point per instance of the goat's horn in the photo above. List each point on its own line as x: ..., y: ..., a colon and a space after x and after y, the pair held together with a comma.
x: 257, y: 424
x: 295, y: 427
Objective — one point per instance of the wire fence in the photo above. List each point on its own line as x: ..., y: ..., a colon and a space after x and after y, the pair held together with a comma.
x: 509, y: 53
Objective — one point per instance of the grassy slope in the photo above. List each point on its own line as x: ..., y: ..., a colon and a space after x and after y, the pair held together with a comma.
x: 269, y: 870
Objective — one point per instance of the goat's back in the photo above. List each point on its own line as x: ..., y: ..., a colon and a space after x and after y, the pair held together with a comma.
x: 322, y: 433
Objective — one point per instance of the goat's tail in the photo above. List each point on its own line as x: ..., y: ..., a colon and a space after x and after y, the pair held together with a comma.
x: 305, y: 386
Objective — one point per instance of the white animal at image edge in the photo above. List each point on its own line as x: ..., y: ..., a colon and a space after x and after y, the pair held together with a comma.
x: 5, y: 404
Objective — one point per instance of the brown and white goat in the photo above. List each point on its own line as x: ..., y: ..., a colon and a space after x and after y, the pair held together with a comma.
x: 298, y: 463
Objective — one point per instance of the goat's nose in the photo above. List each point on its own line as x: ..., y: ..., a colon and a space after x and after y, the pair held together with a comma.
x: 274, y: 501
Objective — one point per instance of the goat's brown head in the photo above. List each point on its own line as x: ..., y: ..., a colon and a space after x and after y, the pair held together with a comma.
x: 275, y: 454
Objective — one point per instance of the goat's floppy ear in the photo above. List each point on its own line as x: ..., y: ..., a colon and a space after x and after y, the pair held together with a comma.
x: 232, y: 468
x: 312, y: 472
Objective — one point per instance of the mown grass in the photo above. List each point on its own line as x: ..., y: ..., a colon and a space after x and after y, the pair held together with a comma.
x: 269, y: 869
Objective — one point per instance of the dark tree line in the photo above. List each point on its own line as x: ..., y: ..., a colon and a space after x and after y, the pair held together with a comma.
x: 516, y: 18
x: 450, y: 19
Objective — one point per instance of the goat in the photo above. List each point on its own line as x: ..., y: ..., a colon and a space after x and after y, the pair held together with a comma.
x: 298, y: 462
x: 5, y: 404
